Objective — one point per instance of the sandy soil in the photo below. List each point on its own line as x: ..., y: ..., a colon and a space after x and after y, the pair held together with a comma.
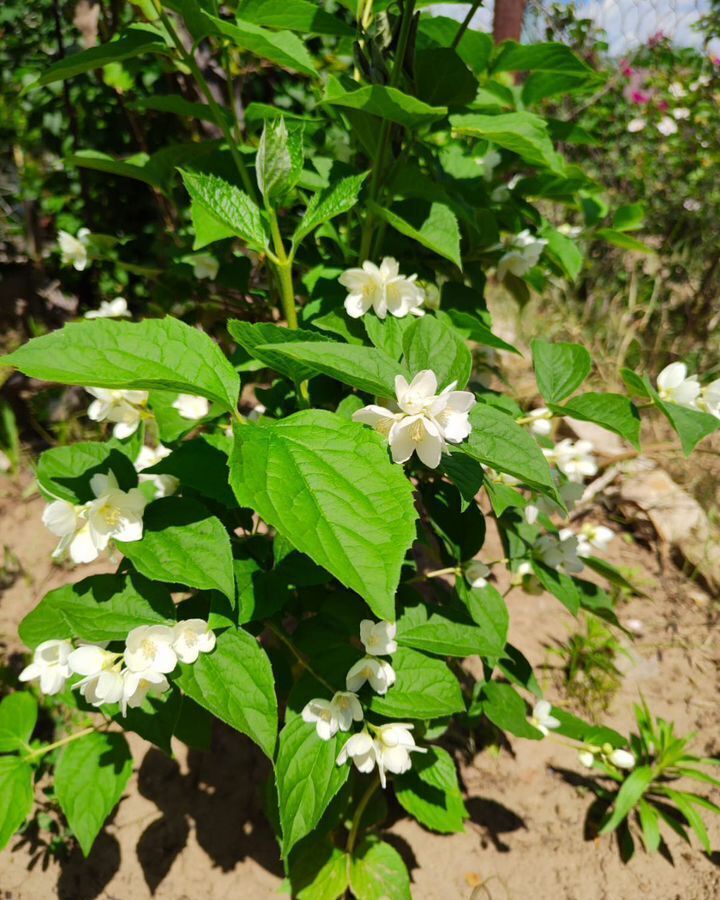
x: 192, y: 827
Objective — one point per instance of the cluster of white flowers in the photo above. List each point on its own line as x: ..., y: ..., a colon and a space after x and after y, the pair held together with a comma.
x: 383, y: 289
x: 422, y: 421
x: 616, y: 756
x: 667, y: 126
x: 594, y: 537
x: 110, y: 309
x: 676, y: 386
x: 524, y: 251
x: 124, y: 408
x: 560, y: 551
x: 205, y: 266
x: 389, y: 746
x: 151, y: 653
x: 192, y: 407
x: 573, y: 458
x: 85, y: 530
x: 636, y: 124
x: 74, y: 250
x: 539, y: 421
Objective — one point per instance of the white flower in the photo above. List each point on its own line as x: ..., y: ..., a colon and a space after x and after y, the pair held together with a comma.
x: 165, y: 485
x: 559, y: 552
x: 700, y: 81
x: 423, y: 421
x: 635, y: 125
x: 586, y: 758
x: 540, y: 424
x: 381, y: 288
x: 692, y: 205
x: 191, y: 407
x: 109, y: 309
x: 191, y: 637
x: 204, y: 266
x: 476, y: 573
x: 571, y: 231
x: 502, y: 192
x: 379, y: 673
x: 680, y: 113
x: 73, y: 250
x: 63, y: 519
x: 574, y: 459
x: 137, y: 685
x: 360, y: 748
x: 150, y: 647
x: 677, y: 90
x: 623, y: 759
x: 489, y: 162
x: 124, y: 408
x: 378, y: 638
x: 524, y: 252
x: 50, y: 665
x: 667, y: 126
x: 594, y: 537
x: 500, y: 477
x: 393, y: 745
x: 675, y: 386
x: 541, y: 718
x: 113, y: 515
x: 709, y: 400
x: 102, y: 681
x: 635, y: 625
x: 331, y: 716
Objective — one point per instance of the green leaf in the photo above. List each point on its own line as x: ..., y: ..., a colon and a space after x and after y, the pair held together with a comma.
x: 136, y: 167
x: 387, y: 334
x: 629, y: 217
x: 488, y: 610
x: 546, y: 57
x: 16, y: 790
x: 228, y: 205
x: 505, y: 708
x: 206, y: 227
x: 279, y: 159
x: 314, y: 476
x: 499, y: 442
x: 573, y: 727
x: 65, y: 472
x: 430, y: 344
x: 425, y: 689
x: 474, y: 329
x: 386, y: 102
x: 466, y: 474
x: 559, y: 368
x: 294, y: 15
x: 441, y: 636
x: 235, y: 683
x: 430, y: 792
x: 98, y: 608
x: 154, y: 720
x: 90, y: 776
x: 623, y: 240
x: 612, y: 411
x: 182, y: 543
x: 691, y: 424
x: 133, y: 42
x: 156, y: 353
x: 332, y: 201
x: 364, y: 368
x: 307, y: 778
x: 256, y: 339
x: 318, y: 870
x: 377, y: 872
x: 634, y: 786
x: 564, y: 251
x: 650, y: 824
x: 442, y: 78
x: 559, y: 585
x: 521, y: 132
x: 475, y: 47
x: 433, y: 225
x: 18, y: 715
x: 201, y: 464
x: 280, y: 47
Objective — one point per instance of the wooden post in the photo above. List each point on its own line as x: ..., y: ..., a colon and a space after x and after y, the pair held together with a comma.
x: 508, y: 19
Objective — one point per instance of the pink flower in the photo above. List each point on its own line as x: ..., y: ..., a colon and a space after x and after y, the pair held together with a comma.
x: 626, y: 69
x: 663, y: 106
x: 639, y: 97
x: 657, y: 38
x: 714, y: 59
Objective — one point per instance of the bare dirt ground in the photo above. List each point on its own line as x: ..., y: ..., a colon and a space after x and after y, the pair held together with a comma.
x: 192, y: 826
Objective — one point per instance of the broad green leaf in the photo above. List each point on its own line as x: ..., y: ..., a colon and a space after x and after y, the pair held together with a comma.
x: 466, y: 474
x: 318, y: 870
x: 573, y: 727
x: 539, y: 85
x: 629, y: 217
x: 279, y: 159
x: 560, y: 368
x: 627, y: 797
x: 16, y: 790
x: 235, y: 683
x: 365, y: 368
x: 442, y: 636
x: 156, y: 353
x: 433, y: 225
x: 98, y: 608
x: 294, y: 15
x: 430, y: 344
x: 182, y: 543
x: 228, y: 205
x: 564, y: 251
x: 307, y: 778
x: 206, y: 227
x: 623, y: 240
x: 499, y: 442
x: 474, y: 329
x: 133, y: 42
x: 505, y: 708
x: 636, y: 385
x: 332, y: 201
x: 650, y: 824
x: 201, y: 464
x: 90, y: 776
x: 314, y: 476
x: 65, y: 472
x: 179, y: 106
x: 546, y: 57
x: 377, y: 872
x: 475, y: 47
x: 521, y: 132
x: 489, y: 611
x: 386, y: 102
x: 136, y: 167
x: 691, y: 424
x: 18, y: 715
x: 154, y: 720
x: 280, y: 47
x: 430, y: 792
x: 442, y: 78
x: 425, y: 689
x: 559, y: 585
x: 387, y: 334
x: 264, y: 334
x: 612, y: 411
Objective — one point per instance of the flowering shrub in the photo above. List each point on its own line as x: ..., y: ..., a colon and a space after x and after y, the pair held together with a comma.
x: 307, y: 569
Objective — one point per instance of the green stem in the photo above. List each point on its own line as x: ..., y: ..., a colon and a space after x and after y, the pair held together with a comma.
x: 299, y: 656
x: 465, y: 23
x: 41, y: 751
x: 217, y: 111
x: 283, y: 268
x: 361, y: 807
